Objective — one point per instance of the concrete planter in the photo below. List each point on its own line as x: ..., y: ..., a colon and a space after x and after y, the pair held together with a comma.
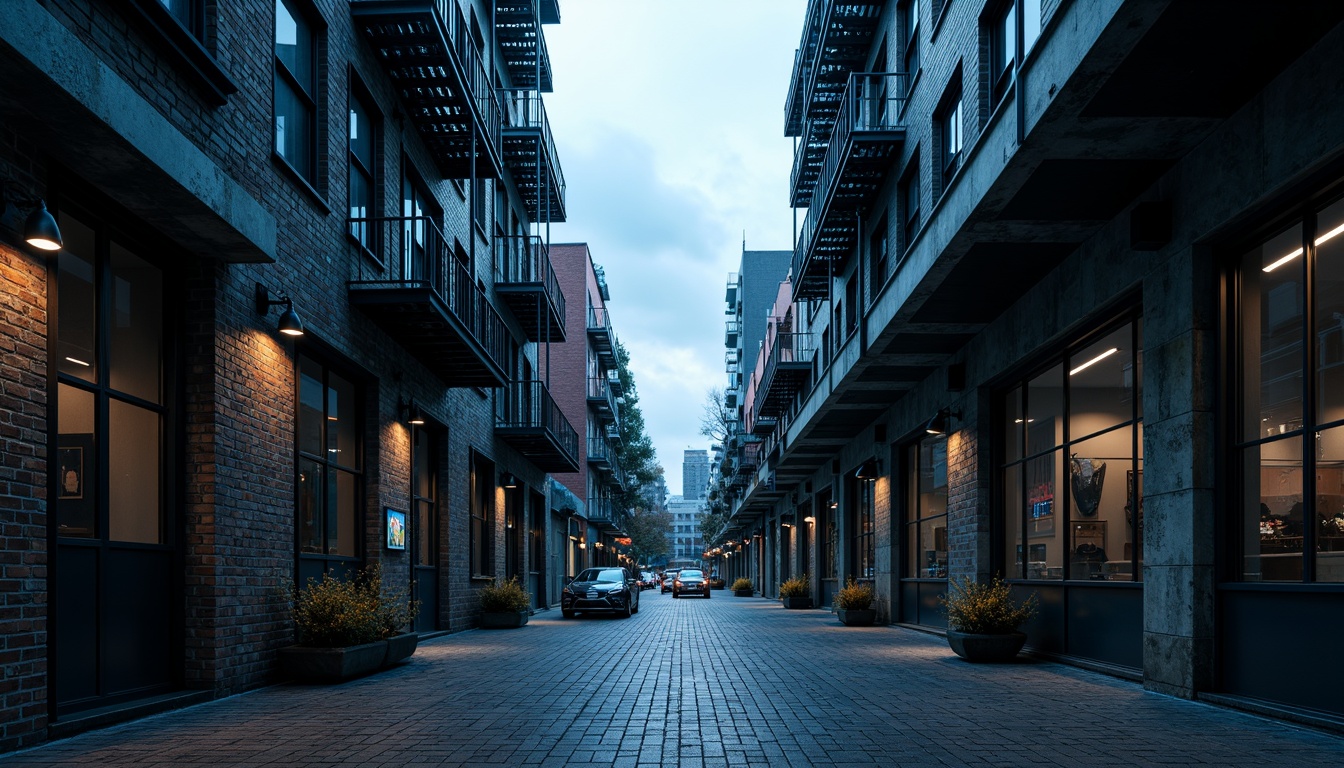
x: 743, y: 593
x: 503, y: 619
x: 986, y: 648
x: 400, y: 648
x: 796, y: 602
x: 332, y: 665
x: 856, y: 617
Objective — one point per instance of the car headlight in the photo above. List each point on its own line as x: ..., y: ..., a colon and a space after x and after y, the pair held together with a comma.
x: 616, y: 589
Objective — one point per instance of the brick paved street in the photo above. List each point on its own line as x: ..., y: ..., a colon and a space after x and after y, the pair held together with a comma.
x: 720, y: 682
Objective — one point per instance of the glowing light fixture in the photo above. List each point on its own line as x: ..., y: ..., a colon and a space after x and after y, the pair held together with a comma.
x: 1323, y: 238
x: 289, y: 324
x: 1095, y: 360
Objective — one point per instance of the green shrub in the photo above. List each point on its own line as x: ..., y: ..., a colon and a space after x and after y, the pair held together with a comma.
x: 742, y: 584
x: 795, y: 587
x: 854, y: 597
x: 508, y: 596
x: 985, y: 609
x: 333, y: 612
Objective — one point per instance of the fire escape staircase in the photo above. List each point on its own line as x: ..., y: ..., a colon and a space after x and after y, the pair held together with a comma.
x: 787, y: 371
x: 521, y: 42
x: 428, y: 53
x: 530, y: 156
x: 530, y: 421
x: 430, y: 304
x: 526, y: 283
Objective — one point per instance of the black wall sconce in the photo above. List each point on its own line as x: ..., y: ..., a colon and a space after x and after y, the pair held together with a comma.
x: 869, y: 470
x: 289, y: 324
x: 941, y: 421
x: 508, y: 480
x: 39, y: 229
x: 411, y: 412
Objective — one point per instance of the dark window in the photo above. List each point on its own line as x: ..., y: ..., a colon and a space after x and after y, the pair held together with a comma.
x: 852, y: 299
x: 877, y: 253
x: 910, y: 23
x: 861, y: 527
x: 190, y: 14
x: 364, y: 130
x: 1289, y: 409
x: 420, y: 237
x: 827, y: 537
x: 329, y: 497
x: 910, y: 204
x: 949, y: 128
x: 1002, y: 51
x: 1071, y: 479
x: 482, y: 517
x: 295, y: 90
x: 926, y: 508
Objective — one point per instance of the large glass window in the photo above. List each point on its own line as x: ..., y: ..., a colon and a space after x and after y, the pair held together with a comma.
x: 1290, y: 402
x: 950, y: 134
x: 910, y: 204
x: 329, y: 497
x: 482, y: 516
x: 827, y: 536
x: 361, y: 181
x: 189, y: 13
x: 295, y: 90
x: 910, y: 22
x: 926, y: 505
x: 861, y: 528
x: 1072, y: 477
x: 1002, y: 50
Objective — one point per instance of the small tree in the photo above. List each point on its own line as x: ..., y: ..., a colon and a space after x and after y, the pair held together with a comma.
x: 649, y: 530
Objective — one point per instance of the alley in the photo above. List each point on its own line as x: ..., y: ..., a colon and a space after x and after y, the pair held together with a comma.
x: 719, y: 682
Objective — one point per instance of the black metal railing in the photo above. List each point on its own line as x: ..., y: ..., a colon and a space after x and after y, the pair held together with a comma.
x: 788, y: 348
x: 416, y: 255
x: 599, y: 327
x: 599, y: 391
x: 525, y: 109
x: 529, y: 405
x: 527, y: 259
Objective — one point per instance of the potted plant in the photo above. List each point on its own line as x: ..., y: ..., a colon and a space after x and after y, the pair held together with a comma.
x: 504, y: 605
x: 348, y: 627
x: 982, y: 619
x: 796, y: 592
x: 742, y: 588
x: 854, y: 604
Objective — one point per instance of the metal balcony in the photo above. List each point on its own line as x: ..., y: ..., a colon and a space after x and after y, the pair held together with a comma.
x: 868, y: 135
x: 837, y: 38
x: 601, y: 454
x: 730, y: 359
x: 614, y: 381
x: 602, y: 401
x: 529, y: 154
x: 730, y: 331
x: 525, y: 281
x: 522, y: 44
x: 600, y: 335
x: 788, y: 369
x: 527, y: 418
x: 428, y: 53
x: 603, y: 513
x: 730, y: 292
x: 430, y: 304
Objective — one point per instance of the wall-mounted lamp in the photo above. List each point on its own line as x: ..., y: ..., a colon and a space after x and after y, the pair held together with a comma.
x: 834, y: 504
x: 809, y: 519
x: 598, y: 545
x: 869, y: 470
x: 508, y: 480
x: 411, y: 412
x: 39, y: 229
x: 290, y: 324
x: 941, y: 420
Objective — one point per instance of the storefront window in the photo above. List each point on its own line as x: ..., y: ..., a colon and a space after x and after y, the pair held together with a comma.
x: 1072, y: 476
x: 1291, y: 402
x: 926, y: 505
x: 861, y: 529
x: 328, y: 499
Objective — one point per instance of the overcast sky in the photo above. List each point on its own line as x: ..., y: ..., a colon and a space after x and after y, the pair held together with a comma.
x: 669, y: 123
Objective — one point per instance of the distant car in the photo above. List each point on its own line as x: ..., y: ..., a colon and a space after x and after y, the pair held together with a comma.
x: 600, y: 590
x: 646, y: 580
x: 669, y: 576
x: 690, y: 581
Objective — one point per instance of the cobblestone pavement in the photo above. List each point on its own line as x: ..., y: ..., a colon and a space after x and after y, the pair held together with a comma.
x: 720, y: 682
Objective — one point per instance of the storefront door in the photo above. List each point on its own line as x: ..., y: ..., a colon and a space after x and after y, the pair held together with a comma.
x: 425, y: 530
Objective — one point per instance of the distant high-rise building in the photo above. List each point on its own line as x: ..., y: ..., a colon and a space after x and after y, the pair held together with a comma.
x: 686, y: 514
x: 694, y: 474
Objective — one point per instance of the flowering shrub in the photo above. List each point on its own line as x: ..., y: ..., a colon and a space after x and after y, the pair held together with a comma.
x: 795, y: 587
x: 332, y: 612
x: 742, y: 584
x: 985, y: 609
x: 508, y: 596
x: 854, y: 597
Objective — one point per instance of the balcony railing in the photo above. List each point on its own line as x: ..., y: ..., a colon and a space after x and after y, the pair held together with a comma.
x: 601, y: 454
x: 730, y: 331
x: 868, y: 133
x: 603, y: 513
x: 529, y: 154
x: 788, y: 368
x: 730, y: 292
x: 600, y: 334
x: 601, y: 400
x: 522, y: 42
x: 614, y: 381
x: 428, y: 52
x: 430, y: 302
x: 528, y: 419
x: 525, y: 280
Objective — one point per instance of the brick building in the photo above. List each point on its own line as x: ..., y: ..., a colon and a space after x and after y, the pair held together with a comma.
x: 381, y: 174
x: 1065, y: 306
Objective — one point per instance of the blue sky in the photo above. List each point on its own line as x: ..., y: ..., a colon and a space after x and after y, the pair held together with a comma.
x: 669, y: 123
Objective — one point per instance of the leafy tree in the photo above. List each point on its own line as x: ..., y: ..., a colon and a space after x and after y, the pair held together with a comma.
x: 635, y: 453
x: 649, y: 530
x: 718, y: 422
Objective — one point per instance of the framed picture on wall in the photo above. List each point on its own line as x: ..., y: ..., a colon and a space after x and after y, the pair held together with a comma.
x: 70, y: 459
x: 396, y: 529
x: 76, y: 484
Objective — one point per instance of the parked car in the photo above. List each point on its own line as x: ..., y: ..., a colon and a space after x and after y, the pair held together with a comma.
x: 690, y: 581
x: 600, y: 590
x: 669, y: 576
x: 646, y: 580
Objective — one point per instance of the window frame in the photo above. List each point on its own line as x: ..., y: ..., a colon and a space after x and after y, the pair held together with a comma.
x: 309, y: 96
x: 370, y: 241
x: 355, y: 469
x: 481, y: 512
x: 915, y: 518
x: 910, y: 28
x: 910, y: 215
x: 950, y: 127
x: 863, y: 527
